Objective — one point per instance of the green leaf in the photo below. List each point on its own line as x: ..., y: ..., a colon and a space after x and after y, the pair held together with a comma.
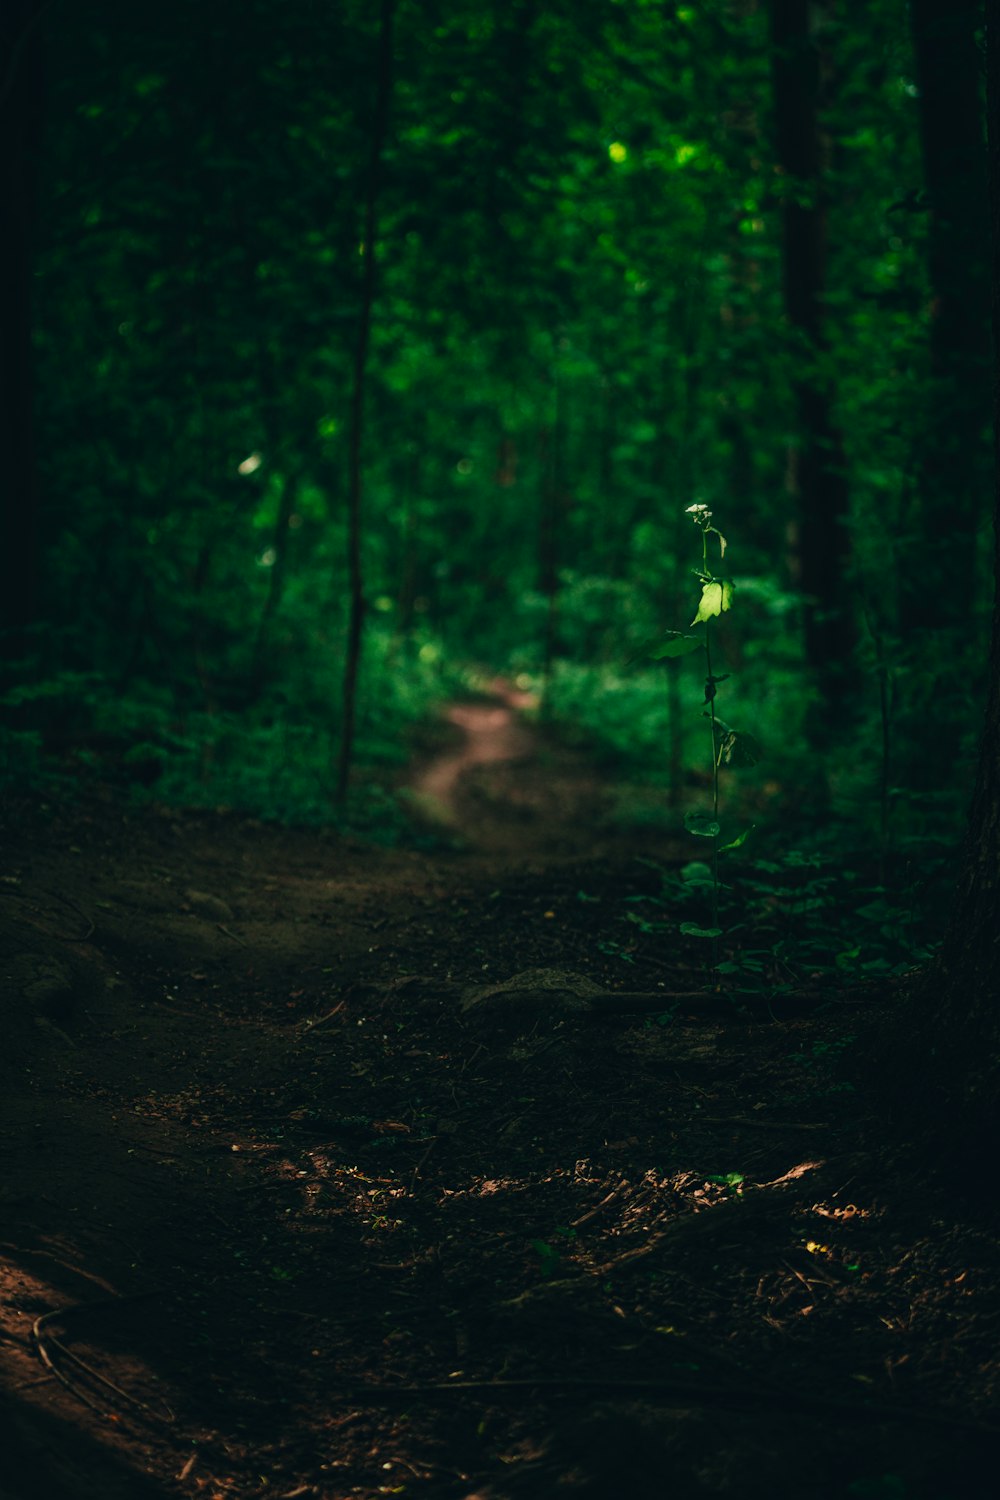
x: 722, y: 541
x: 691, y: 929
x: 729, y: 1179
x: 701, y: 824
x: 716, y: 598
x: 665, y: 647
x: 738, y: 749
x: 739, y: 841
x: 548, y: 1256
x: 696, y: 869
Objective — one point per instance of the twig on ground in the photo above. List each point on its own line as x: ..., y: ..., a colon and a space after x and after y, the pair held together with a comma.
x: 315, y: 1025
x: 45, y: 1341
x: 221, y: 927
x: 593, y: 1212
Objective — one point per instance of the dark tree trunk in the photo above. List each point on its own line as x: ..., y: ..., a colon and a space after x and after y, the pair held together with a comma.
x: 939, y: 565
x: 358, y: 607
x: 817, y: 467
x: 957, y: 1021
x: 20, y: 130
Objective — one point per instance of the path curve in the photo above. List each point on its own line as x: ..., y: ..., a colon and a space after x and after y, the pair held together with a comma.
x: 492, y: 733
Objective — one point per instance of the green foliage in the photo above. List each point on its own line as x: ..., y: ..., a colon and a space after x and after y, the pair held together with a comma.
x: 672, y: 644
x: 716, y: 598
x: 268, y: 759
x: 703, y: 825
x: 578, y: 332
x: 729, y: 747
x: 794, y: 918
x: 549, y: 1258
x: 733, y: 1180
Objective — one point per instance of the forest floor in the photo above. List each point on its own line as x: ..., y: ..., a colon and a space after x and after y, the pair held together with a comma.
x: 300, y: 1198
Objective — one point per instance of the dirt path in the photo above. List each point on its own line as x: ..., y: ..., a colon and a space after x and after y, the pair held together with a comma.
x: 502, y: 790
x: 491, y: 734
x: 295, y: 1223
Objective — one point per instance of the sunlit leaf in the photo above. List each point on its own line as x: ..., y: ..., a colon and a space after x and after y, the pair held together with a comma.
x: 716, y: 598
x: 691, y: 929
x: 739, y: 841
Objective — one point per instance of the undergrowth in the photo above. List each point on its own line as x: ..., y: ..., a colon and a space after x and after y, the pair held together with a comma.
x: 804, y: 917
x: 196, y: 745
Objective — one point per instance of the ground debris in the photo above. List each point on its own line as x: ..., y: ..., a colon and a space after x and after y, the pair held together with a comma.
x: 415, y: 1221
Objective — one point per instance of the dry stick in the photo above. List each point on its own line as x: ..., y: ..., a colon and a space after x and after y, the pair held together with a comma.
x: 57, y: 1374
x: 357, y: 612
x: 314, y: 1025
x: 593, y: 1212
x: 220, y: 927
x: 740, y: 1214
x: 92, y: 1374
x: 44, y: 1341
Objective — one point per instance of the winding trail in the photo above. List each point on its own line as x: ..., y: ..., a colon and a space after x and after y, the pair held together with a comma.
x: 508, y: 790
x: 492, y: 733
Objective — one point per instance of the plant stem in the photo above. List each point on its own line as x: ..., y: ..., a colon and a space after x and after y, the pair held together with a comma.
x: 715, y: 790
x: 710, y: 691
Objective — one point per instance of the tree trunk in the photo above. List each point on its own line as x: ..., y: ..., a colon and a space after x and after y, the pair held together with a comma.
x: 956, y: 1024
x: 358, y: 606
x: 938, y: 573
x: 20, y: 130
x: 817, y: 468
x: 550, y: 537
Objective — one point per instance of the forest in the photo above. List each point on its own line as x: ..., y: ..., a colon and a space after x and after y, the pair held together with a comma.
x: 499, y: 749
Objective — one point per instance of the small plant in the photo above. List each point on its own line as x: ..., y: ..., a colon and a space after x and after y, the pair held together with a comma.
x: 729, y: 746
x: 548, y: 1256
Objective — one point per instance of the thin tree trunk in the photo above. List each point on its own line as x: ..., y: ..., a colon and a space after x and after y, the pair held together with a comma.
x: 817, y: 466
x: 356, y: 618
x: 550, y: 539
x: 20, y: 131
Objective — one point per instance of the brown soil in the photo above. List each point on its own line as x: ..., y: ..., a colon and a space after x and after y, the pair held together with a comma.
x: 284, y: 1215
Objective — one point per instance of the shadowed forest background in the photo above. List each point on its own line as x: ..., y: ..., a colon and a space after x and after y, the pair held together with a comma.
x: 497, y: 651
x: 426, y: 325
